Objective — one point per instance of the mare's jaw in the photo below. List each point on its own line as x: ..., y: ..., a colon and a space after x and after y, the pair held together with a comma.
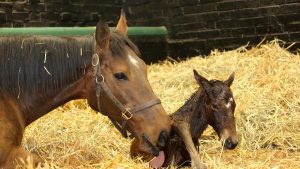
x: 155, y: 161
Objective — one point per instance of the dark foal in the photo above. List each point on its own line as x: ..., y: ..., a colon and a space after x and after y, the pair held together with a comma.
x: 212, y: 104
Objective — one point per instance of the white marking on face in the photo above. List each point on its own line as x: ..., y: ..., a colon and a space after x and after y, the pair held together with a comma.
x: 224, y: 135
x: 228, y: 104
x: 133, y: 60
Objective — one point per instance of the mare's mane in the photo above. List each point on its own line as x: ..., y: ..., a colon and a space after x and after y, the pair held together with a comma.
x: 37, y: 65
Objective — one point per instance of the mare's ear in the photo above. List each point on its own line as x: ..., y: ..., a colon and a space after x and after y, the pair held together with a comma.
x: 102, y: 36
x: 202, y: 81
x: 230, y: 79
x: 122, y: 24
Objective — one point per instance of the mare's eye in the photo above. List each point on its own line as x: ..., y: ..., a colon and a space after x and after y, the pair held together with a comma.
x: 120, y: 76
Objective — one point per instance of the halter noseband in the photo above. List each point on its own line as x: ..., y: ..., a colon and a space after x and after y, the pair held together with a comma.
x: 127, y: 113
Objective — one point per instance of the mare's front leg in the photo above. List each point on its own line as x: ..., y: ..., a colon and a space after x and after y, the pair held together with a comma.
x: 18, y: 156
x: 183, y: 130
x: 12, y: 129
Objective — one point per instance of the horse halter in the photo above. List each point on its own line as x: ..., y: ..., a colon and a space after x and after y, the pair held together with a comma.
x: 127, y: 113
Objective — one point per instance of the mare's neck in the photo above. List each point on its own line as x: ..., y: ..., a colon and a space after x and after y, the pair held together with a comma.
x: 40, y: 106
x: 66, y: 82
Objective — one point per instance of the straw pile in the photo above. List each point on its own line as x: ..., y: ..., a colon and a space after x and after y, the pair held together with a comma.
x: 266, y: 90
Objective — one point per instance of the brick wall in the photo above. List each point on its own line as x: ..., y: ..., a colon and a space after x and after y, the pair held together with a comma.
x: 43, y: 13
x: 195, y: 26
x: 20, y: 13
x: 225, y: 24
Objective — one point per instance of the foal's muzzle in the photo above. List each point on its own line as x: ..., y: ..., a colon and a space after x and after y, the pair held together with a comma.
x: 230, y: 144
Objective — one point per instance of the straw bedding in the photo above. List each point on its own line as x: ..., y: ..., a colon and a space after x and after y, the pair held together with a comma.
x: 266, y: 90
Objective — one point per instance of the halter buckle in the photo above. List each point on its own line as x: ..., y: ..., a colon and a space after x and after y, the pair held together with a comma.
x: 102, y: 79
x: 95, y: 60
x: 126, y: 114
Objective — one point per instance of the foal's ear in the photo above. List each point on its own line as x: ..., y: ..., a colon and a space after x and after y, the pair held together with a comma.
x: 122, y: 24
x: 229, y: 81
x: 202, y: 81
x: 102, y: 36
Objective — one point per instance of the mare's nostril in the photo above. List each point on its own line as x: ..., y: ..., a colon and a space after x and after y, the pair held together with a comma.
x: 163, y: 138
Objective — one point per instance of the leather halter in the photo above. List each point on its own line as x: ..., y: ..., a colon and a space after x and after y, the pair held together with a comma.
x: 127, y: 113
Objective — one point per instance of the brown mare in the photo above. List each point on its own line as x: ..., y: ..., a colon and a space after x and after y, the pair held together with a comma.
x: 212, y: 104
x: 40, y: 73
x: 12, y: 128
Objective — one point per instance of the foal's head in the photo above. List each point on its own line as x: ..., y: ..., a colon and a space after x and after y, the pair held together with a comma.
x: 125, y: 74
x: 221, y: 106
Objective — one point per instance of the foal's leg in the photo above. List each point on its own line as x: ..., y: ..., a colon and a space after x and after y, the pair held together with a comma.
x: 183, y: 131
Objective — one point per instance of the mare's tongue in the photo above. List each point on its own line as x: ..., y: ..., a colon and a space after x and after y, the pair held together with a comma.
x: 158, y: 161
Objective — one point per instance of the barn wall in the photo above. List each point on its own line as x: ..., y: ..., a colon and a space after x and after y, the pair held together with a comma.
x: 195, y: 26
x: 198, y: 26
x: 225, y: 24
x: 44, y: 13
x: 20, y: 13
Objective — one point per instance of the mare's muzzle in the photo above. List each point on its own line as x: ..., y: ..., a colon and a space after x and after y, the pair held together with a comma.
x: 154, y: 149
x: 162, y: 139
x: 161, y: 142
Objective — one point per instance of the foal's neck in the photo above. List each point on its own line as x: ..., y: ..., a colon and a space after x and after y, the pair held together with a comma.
x: 193, y: 112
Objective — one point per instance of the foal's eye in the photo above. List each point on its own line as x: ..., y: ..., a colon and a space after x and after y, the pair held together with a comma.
x: 215, y: 107
x: 120, y: 76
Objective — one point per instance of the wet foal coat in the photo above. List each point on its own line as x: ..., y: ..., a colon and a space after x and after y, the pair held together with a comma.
x: 212, y: 104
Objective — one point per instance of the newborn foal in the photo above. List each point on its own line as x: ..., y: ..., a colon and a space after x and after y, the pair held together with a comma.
x: 212, y: 104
